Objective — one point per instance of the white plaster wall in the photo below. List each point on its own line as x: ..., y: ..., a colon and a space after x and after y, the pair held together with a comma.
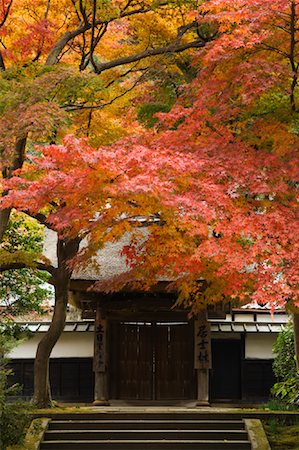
x: 70, y: 345
x: 241, y: 317
x: 259, y: 345
x: 275, y: 318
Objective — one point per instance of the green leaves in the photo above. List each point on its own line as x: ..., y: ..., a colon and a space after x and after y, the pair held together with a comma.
x: 284, y: 367
x: 22, y: 290
x: 147, y: 111
x: 23, y: 234
x: 14, y: 417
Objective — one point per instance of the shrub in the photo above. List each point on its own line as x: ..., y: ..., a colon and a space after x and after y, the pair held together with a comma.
x: 14, y: 416
x: 284, y: 366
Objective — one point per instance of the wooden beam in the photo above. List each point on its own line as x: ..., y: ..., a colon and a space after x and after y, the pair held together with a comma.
x: 84, y: 285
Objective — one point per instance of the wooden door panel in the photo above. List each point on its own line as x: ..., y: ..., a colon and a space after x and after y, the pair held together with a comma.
x: 175, y: 375
x: 134, y: 367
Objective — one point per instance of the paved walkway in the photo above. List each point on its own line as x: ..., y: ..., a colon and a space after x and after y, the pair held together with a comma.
x: 157, y: 409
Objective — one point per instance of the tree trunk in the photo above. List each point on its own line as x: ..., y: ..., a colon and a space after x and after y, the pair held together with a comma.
x: 4, y: 218
x: 7, y: 173
x: 296, y: 336
x: 42, y: 392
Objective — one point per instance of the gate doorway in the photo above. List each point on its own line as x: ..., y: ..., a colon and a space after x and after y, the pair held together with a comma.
x: 225, y: 381
x: 152, y: 361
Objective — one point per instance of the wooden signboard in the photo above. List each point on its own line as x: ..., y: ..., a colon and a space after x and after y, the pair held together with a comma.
x: 202, y: 344
x: 100, y: 346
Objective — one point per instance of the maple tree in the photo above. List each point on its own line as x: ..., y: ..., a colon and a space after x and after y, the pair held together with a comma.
x: 62, y: 63
x: 37, y: 91
x: 216, y: 178
x: 77, y: 35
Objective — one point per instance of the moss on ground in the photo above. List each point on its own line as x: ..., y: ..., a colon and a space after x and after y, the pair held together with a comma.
x: 33, y: 436
x: 282, y: 437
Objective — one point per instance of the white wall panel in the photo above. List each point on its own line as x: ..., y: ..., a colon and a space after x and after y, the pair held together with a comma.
x: 70, y: 345
x: 259, y: 345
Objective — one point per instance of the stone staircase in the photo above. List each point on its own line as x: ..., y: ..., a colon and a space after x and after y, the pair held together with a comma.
x: 146, y: 431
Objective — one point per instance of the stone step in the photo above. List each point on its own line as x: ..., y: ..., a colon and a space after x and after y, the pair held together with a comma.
x: 145, y: 416
x: 146, y: 431
x: 143, y: 424
x: 74, y: 435
x: 146, y: 445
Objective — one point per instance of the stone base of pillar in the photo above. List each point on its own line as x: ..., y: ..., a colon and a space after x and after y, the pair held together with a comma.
x: 101, y: 403
x: 202, y: 403
x: 203, y: 387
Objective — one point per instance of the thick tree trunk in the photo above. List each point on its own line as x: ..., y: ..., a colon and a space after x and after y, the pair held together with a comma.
x: 42, y: 395
x: 7, y: 173
x: 4, y: 218
x: 296, y: 336
x: 42, y: 392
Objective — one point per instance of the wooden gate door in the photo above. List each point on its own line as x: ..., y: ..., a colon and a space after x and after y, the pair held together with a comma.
x: 174, y: 362
x: 132, y: 364
x: 152, y: 361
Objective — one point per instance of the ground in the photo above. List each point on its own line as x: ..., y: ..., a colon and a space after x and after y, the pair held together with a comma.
x: 282, y: 437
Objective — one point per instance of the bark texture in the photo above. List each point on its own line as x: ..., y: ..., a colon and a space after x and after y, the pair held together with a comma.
x: 7, y: 173
x: 66, y: 250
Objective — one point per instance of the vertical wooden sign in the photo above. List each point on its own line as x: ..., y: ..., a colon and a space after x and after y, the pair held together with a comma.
x: 99, y: 363
x: 202, y: 344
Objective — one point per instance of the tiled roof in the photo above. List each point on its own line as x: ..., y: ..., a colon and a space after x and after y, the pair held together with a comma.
x: 223, y: 326
x: 43, y: 327
x: 229, y: 327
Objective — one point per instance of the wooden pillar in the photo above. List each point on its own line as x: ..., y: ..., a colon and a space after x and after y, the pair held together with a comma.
x: 202, y: 357
x: 100, y: 360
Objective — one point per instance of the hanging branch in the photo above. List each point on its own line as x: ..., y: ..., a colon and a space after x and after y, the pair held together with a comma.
x: 2, y: 22
x: 42, y: 40
x: 92, y: 37
x: 294, y: 64
x: 5, y: 13
x: 19, y: 265
x: 53, y: 56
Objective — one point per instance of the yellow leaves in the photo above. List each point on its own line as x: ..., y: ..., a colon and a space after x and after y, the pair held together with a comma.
x: 182, y: 183
x: 273, y: 136
x: 19, y: 257
x: 107, y: 125
x: 279, y: 136
x: 158, y: 30
x: 25, y: 26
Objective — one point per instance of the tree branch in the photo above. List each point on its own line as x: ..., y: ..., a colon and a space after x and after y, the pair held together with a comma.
x: 103, y: 105
x: 41, y: 218
x: 53, y: 56
x: 92, y: 38
x: 6, y: 14
x: 21, y: 265
x: 7, y: 173
x: 171, y: 48
x: 2, y: 64
x: 42, y: 40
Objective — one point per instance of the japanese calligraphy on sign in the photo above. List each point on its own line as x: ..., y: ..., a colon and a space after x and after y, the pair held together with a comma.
x: 100, y: 347
x: 202, y: 344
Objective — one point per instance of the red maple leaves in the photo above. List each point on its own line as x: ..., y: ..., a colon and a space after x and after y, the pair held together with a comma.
x: 220, y: 174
